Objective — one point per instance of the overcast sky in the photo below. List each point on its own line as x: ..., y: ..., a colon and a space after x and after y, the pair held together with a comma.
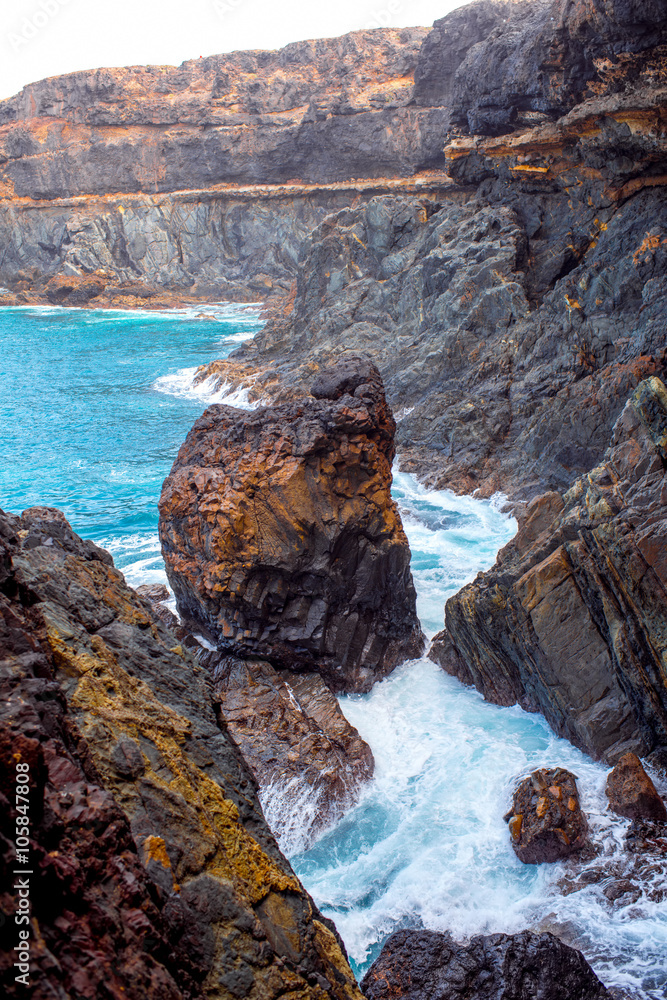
x: 47, y: 37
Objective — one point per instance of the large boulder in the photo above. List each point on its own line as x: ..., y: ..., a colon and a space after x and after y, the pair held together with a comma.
x: 572, y: 619
x: 631, y: 792
x: 280, y: 537
x: 546, y: 821
x: 423, y: 965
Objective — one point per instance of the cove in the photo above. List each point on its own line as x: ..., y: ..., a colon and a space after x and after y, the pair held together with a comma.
x: 95, y: 405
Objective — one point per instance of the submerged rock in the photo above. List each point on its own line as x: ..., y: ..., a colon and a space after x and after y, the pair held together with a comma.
x: 546, y: 822
x: 280, y: 537
x: 423, y: 965
x: 631, y: 792
x: 158, y: 875
x: 572, y: 619
x: 308, y: 760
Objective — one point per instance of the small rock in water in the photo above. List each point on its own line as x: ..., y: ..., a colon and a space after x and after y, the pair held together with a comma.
x: 546, y: 821
x: 631, y: 792
x: 423, y: 965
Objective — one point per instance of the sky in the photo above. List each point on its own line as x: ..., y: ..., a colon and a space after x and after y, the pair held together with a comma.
x: 40, y: 38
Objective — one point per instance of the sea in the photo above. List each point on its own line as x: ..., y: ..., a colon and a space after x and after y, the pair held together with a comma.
x: 94, y: 405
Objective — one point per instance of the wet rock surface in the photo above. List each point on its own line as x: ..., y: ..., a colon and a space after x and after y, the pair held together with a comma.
x: 631, y: 792
x: 571, y: 620
x: 158, y: 876
x: 281, y: 539
x: 423, y: 965
x: 309, y: 762
x: 546, y: 821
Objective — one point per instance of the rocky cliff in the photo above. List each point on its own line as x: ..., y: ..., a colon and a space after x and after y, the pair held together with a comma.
x: 152, y: 870
x: 202, y: 180
x: 572, y: 620
x: 511, y: 314
x: 281, y: 539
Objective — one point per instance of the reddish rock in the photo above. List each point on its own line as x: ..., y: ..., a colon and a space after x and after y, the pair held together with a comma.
x: 631, y: 792
x: 280, y: 537
x: 309, y: 762
x: 546, y: 822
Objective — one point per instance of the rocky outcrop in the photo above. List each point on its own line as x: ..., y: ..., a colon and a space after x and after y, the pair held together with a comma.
x: 153, y: 871
x: 572, y: 621
x: 423, y: 965
x: 546, y: 821
x: 631, y: 792
x: 280, y: 537
x: 511, y: 315
x: 307, y: 759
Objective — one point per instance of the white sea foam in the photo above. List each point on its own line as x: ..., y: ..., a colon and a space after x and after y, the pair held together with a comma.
x: 182, y: 384
x: 427, y: 845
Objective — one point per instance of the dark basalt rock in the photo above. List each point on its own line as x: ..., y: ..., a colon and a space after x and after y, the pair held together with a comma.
x: 153, y: 872
x: 281, y: 539
x: 631, y: 792
x: 572, y: 619
x: 423, y: 965
x: 546, y: 822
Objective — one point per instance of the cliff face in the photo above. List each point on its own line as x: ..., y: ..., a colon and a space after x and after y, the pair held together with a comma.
x: 512, y: 315
x: 280, y: 537
x: 154, y: 872
x: 572, y: 620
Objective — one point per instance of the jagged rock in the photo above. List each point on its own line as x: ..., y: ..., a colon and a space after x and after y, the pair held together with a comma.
x: 155, y: 874
x: 280, y: 537
x: 546, y: 821
x: 308, y: 760
x: 572, y: 623
x: 631, y: 792
x: 423, y: 965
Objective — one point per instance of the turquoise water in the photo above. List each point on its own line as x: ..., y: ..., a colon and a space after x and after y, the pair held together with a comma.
x: 94, y: 407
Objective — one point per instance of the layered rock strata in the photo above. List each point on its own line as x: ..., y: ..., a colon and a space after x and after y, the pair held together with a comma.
x: 572, y: 619
x: 512, y: 315
x: 154, y: 872
x: 423, y: 965
x: 280, y: 537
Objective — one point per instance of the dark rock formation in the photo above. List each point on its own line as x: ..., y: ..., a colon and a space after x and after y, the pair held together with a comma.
x: 281, y: 539
x: 546, y: 821
x: 423, y: 965
x: 154, y: 873
x: 309, y: 762
x: 512, y: 315
x: 631, y: 792
x: 572, y: 620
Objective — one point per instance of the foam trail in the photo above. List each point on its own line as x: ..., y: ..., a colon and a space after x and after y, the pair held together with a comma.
x: 426, y: 845
x: 182, y: 384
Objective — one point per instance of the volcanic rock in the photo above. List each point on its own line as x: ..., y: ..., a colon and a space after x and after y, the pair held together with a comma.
x: 153, y: 872
x: 631, y: 792
x: 423, y: 965
x: 546, y: 822
x: 309, y: 762
x: 281, y: 539
x: 572, y: 620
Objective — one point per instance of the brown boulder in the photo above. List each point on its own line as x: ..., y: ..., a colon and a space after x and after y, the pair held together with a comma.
x: 308, y: 760
x: 280, y: 537
x: 631, y: 792
x: 546, y: 821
